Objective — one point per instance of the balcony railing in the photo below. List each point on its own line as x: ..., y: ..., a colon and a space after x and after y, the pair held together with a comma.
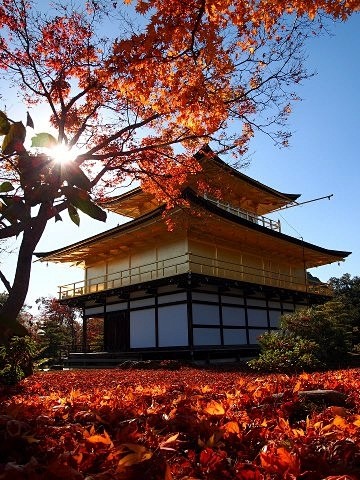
x: 189, y: 262
x: 130, y: 276
x: 258, y: 219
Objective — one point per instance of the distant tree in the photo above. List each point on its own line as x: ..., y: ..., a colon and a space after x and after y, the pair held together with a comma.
x: 347, y: 289
x: 126, y: 98
x: 58, y: 328
x: 95, y: 334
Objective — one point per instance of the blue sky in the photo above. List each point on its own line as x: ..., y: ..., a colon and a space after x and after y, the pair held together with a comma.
x: 323, y: 159
x: 324, y: 155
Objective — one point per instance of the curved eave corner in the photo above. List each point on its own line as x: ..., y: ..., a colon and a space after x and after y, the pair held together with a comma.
x: 53, y: 255
x: 207, y: 153
x: 328, y: 255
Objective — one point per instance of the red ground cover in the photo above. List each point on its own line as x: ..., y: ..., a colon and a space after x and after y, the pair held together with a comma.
x: 188, y: 423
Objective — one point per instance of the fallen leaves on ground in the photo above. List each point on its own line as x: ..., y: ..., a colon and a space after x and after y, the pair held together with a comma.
x: 185, y: 424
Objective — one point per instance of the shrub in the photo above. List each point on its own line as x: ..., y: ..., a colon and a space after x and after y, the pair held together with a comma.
x: 285, y: 352
x: 310, y: 338
x: 16, y: 360
x: 327, y: 325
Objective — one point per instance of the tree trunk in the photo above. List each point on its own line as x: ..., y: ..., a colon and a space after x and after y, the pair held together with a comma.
x: 20, y: 286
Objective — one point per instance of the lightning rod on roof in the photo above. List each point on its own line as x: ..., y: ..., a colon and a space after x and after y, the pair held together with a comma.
x: 297, y: 204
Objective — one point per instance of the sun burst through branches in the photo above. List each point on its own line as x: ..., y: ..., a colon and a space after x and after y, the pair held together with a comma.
x: 62, y: 154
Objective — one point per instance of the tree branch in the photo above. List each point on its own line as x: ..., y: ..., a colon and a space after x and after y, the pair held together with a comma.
x: 5, y: 281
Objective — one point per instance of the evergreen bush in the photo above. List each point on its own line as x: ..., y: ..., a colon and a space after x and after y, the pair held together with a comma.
x: 16, y: 360
x: 328, y: 325
x: 285, y: 352
x: 308, y: 339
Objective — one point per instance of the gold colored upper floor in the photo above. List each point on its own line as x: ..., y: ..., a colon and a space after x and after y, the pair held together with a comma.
x: 189, y: 262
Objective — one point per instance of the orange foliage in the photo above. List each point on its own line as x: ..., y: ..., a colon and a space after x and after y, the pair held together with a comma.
x: 185, y: 74
x: 128, y: 96
x: 178, y: 425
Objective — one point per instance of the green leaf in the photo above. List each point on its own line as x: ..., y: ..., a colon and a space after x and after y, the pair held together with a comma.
x: 73, y: 214
x: 43, y: 140
x: 4, y: 124
x: 6, y: 187
x: 71, y: 193
x: 81, y: 199
x: 14, y: 140
x: 14, y: 209
x: 72, y: 173
x: 29, y: 121
x: 38, y: 193
x: 90, y: 208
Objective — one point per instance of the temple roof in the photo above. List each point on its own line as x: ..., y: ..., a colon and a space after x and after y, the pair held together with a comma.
x: 220, y: 226
x: 235, y: 188
x: 239, y: 189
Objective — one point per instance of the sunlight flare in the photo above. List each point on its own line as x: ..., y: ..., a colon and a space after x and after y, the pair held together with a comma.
x: 62, y: 154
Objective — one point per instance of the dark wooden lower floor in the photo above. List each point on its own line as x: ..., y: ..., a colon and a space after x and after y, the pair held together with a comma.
x: 188, y: 316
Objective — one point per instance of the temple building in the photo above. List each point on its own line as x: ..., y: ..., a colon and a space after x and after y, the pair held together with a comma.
x: 222, y: 276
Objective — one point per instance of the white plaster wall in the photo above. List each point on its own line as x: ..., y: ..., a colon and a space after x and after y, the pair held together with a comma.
x: 234, y: 336
x: 115, y: 307
x: 274, y: 318
x: 205, y: 297
x: 94, y: 310
x: 233, y: 316
x: 173, y: 326
x: 205, y: 314
x: 288, y: 306
x: 234, y: 300
x: 206, y: 336
x: 142, y: 328
x: 257, y: 318
x: 172, y: 297
x: 256, y: 302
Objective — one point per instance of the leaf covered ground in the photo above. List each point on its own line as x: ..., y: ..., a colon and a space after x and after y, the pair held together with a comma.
x: 183, y: 423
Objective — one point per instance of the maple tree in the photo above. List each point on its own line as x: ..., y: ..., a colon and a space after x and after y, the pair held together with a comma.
x: 58, y: 329
x: 180, y: 76
x: 188, y: 423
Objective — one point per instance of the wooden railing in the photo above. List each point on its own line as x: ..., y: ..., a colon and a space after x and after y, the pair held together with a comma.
x: 189, y: 262
x: 261, y: 276
x: 258, y: 219
x: 144, y: 273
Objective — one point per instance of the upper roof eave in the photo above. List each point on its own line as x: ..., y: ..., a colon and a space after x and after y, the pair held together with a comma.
x: 210, y: 206
x: 203, y: 154
x: 131, y: 193
x: 207, y: 152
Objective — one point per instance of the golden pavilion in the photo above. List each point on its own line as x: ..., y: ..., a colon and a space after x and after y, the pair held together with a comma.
x: 222, y: 276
